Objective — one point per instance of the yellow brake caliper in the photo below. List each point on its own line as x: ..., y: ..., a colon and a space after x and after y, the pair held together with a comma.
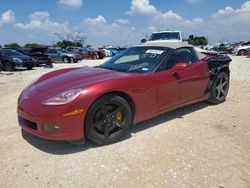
x: 119, y: 116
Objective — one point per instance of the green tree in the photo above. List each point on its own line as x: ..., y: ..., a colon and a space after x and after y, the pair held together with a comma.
x: 65, y: 43
x: 197, y: 40
x: 32, y: 45
x: 73, y: 39
x: 12, y: 45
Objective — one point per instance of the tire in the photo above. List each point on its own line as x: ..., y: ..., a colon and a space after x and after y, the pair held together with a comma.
x: 75, y: 61
x: 108, y: 120
x: 1, y: 66
x: 219, y: 89
x: 29, y: 68
x: 8, y: 66
x: 49, y: 62
x: 101, y: 56
x: 94, y: 57
x: 242, y: 53
x: 66, y: 60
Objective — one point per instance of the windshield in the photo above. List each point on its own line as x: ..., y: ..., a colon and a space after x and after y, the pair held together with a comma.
x: 63, y: 51
x: 12, y: 53
x: 137, y: 59
x: 165, y: 36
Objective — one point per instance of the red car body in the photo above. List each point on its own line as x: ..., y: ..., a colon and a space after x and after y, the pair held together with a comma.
x: 150, y: 94
x: 146, y: 90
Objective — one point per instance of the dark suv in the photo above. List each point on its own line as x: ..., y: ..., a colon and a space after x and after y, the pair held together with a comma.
x: 38, y: 55
x: 12, y: 59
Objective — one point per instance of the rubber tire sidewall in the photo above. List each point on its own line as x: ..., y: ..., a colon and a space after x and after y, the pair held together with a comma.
x: 10, y: 66
x: 68, y: 60
x: 212, y: 99
x: 242, y: 52
x: 89, y: 116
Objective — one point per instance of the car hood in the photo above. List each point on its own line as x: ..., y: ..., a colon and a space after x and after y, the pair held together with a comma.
x: 22, y: 57
x: 66, y: 79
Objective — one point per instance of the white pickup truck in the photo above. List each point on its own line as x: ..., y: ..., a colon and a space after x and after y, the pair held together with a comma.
x: 166, y: 36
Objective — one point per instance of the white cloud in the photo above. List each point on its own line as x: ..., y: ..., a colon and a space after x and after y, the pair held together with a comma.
x: 193, y: 1
x: 71, y: 3
x: 7, y: 17
x: 100, y: 31
x: 41, y: 20
x: 159, y: 19
x: 95, y: 21
x: 142, y: 7
x: 230, y: 24
x: 122, y: 21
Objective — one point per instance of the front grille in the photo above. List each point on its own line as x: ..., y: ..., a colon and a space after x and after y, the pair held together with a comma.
x: 27, y: 123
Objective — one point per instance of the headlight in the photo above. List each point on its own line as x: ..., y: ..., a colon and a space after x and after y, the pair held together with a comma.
x: 63, y: 98
x: 17, y: 60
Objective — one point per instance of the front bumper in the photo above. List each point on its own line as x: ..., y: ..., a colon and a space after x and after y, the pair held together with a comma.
x: 35, y: 117
x: 24, y: 64
x: 69, y: 128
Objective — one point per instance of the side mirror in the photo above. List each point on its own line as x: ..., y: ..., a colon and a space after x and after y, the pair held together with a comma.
x: 143, y: 40
x: 180, y: 66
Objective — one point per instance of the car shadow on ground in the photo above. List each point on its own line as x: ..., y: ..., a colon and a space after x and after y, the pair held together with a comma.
x: 64, y: 148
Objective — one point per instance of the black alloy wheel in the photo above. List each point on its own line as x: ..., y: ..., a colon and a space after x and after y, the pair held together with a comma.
x: 108, y: 120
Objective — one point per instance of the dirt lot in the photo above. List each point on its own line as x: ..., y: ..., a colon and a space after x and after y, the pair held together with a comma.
x: 200, y: 145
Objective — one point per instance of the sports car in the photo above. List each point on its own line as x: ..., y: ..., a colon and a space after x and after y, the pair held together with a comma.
x: 101, y: 103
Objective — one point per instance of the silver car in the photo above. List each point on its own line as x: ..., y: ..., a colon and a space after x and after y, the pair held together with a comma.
x: 62, y: 55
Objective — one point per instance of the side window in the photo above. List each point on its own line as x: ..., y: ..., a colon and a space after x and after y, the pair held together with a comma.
x: 181, y: 55
x: 52, y: 51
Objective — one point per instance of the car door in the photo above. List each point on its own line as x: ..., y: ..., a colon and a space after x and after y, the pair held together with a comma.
x: 167, y: 90
x: 192, y: 78
x: 53, y: 54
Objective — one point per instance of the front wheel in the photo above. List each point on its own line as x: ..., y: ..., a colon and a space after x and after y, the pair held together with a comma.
x: 66, y: 60
x: 9, y: 67
x: 219, y: 90
x: 108, y: 120
x: 242, y: 52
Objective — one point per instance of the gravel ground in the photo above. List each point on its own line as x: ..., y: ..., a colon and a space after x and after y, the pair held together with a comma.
x: 200, y: 145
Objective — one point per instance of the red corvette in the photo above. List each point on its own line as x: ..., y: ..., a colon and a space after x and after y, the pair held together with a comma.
x: 140, y: 83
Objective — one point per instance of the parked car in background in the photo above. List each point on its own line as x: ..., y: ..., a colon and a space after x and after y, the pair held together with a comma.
x: 242, y: 48
x: 114, y: 51
x: 220, y: 47
x: 232, y: 46
x: 38, y: 54
x: 96, y: 53
x: 166, y: 36
x: 83, y: 52
x: 62, y: 55
x: 12, y: 59
x: 106, y: 52
x: 1, y: 65
x: 248, y: 52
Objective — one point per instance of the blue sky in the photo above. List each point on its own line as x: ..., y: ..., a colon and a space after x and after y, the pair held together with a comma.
x: 122, y: 22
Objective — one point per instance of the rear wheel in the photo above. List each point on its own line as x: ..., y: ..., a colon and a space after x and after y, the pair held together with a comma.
x: 108, y: 120
x: 219, y: 88
x: 8, y: 66
x: 242, y: 52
